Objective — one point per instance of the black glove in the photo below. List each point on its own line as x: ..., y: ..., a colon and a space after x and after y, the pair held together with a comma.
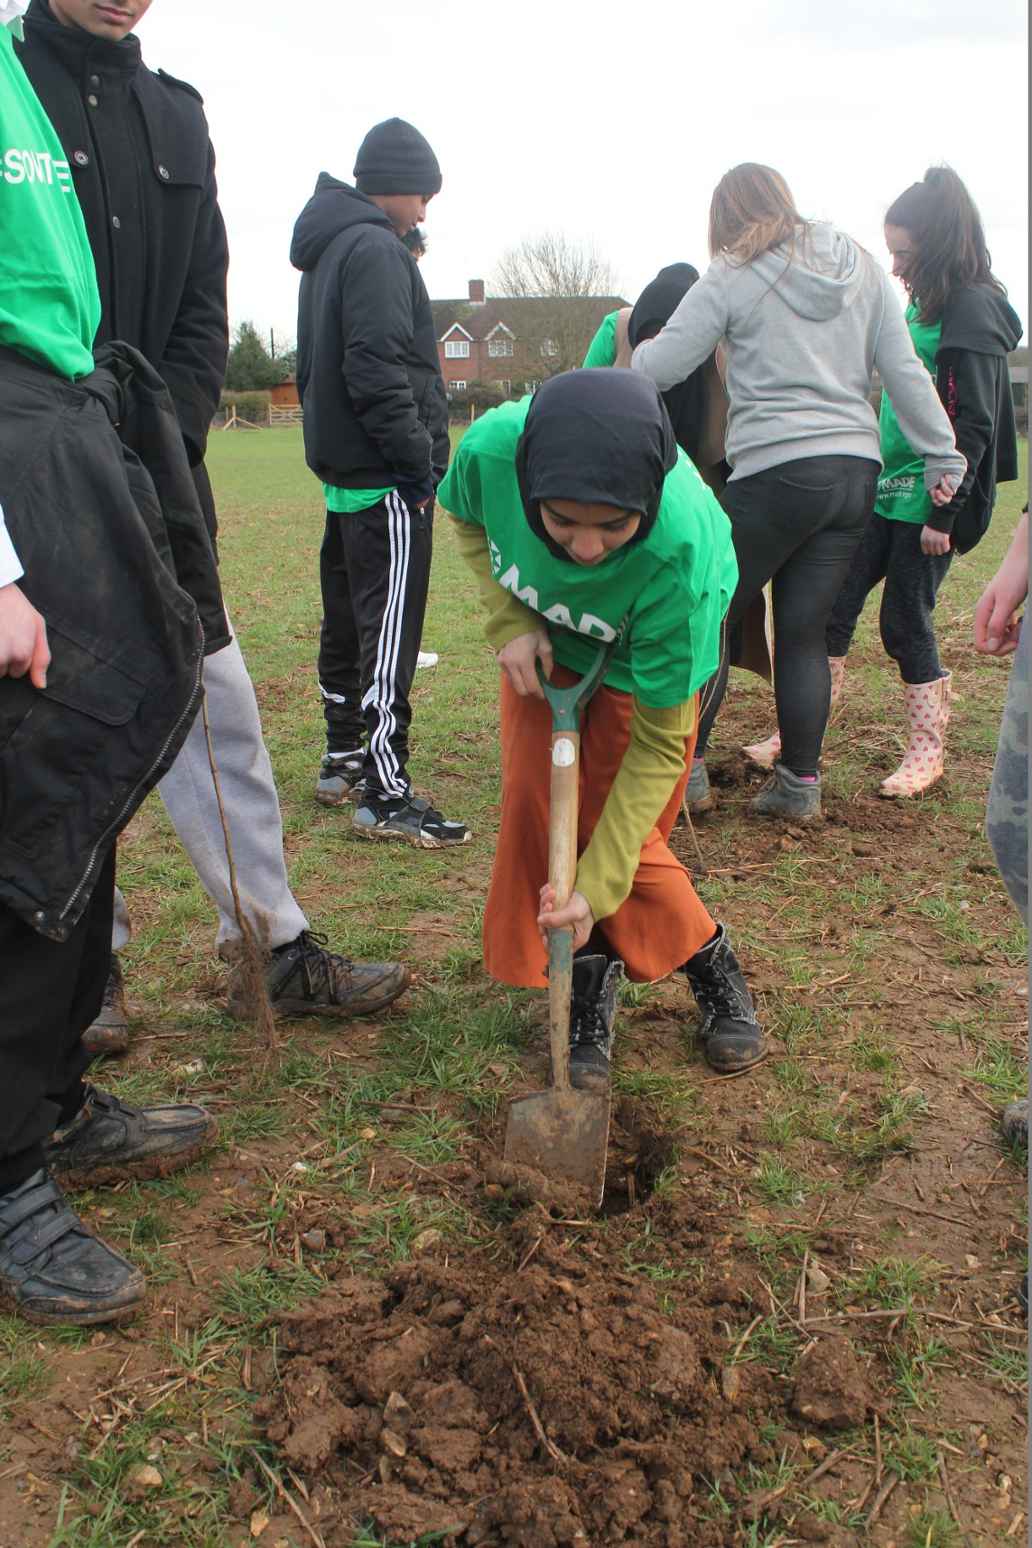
x: 416, y: 496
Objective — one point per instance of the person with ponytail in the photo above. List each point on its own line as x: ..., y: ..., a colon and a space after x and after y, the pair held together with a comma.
x: 963, y: 328
x: 805, y: 315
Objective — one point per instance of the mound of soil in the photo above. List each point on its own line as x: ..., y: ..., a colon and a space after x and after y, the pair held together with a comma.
x: 539, y: 1407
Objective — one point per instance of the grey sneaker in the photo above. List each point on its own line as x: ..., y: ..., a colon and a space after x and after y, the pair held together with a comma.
x: 108, y: 1141
x: 409, y: 818
x: 698, y: 797
x: 52, y: 1268
x: 1014, y: 1122
x: 339, y: 775
x: 109, y: 1034
x: 786, y: 795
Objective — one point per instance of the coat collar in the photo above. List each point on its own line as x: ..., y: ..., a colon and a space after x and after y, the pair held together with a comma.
x: 78, y: 49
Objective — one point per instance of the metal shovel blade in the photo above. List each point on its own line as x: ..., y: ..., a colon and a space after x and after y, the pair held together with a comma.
x: 563, y: 1133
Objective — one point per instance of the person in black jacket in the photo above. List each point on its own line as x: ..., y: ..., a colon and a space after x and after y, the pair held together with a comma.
x: 99, y: 685
x: 376, y: 435
x: 144, y: 170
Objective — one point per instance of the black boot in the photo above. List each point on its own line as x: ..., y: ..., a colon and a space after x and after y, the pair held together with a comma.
x: 51, y: 1266
x: 732, y: 1038
x: 592, y: 1013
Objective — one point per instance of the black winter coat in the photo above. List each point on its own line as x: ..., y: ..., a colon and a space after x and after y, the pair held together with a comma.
x: 375, y: 409
x: 102, y: 538
x: 979, y: 329
x: 137, y: 143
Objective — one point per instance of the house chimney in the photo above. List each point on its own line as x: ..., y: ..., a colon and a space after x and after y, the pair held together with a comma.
x: 476, y: 292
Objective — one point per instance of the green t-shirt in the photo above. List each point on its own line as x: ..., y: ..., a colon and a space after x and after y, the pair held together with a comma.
x: 49, y: 302
x: 671, y: 591
x: 901, y: 489
x: 602, y: 349
x: 346, y: 501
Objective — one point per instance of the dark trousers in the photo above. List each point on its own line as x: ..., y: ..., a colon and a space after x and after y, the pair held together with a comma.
x: 50, y: 992
x: 375, y: 572
x: 797, y: 524
x: 891, y: 551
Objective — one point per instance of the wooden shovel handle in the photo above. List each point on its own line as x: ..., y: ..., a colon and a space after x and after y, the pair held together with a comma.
x: 562, y: 871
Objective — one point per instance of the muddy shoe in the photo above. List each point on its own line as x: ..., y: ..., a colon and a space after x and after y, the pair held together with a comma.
x: 340, y: 774
x: 786, y: 795
x: 698, y: 797
x: 304, y: 979
x: 408, y: 818
x: 732, y: 1038
x: 109, y: 1034
x: 592, y: 1013
x: 1014, y: 1122
x: 108, y: 1141
x: 52, y: 1269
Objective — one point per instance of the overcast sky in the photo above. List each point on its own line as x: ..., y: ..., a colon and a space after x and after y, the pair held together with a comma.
x: 611, y: 122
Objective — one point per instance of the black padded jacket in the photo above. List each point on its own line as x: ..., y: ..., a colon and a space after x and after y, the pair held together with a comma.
x: 375, y: 409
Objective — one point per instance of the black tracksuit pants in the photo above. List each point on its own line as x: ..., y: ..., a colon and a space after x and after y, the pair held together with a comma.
x: 375, y: 573
x: 50, y: 992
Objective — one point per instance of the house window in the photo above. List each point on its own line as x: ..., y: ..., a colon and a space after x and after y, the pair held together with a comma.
x: 549, y: 347
x: 499, y: 347
x: 457, y: 386
x: 456, y: 349
x: 531, y: 386
x: 505, y: 384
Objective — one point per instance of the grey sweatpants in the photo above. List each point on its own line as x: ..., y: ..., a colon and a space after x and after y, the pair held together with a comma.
x: 252, y: 811
x: 1007, y: 814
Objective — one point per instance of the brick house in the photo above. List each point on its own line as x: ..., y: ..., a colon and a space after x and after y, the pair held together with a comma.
x: 514, y: 342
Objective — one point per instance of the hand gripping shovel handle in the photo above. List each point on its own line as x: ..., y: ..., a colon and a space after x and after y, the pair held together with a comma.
x: 562, y: 871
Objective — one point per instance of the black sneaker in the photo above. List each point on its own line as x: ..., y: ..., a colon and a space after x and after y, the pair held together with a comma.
x: 108, y: 1141
x: 339, y: 775
x: 408, y: 818
x: 304, y: 979
x: 1014, y: 1122
x: 592, y: 1014
x: 732, y: 1038
x: 52, y: 1268
x: 109, y: 1034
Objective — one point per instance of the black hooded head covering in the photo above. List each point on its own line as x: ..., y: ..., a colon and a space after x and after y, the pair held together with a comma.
x: 600, y: 436
x: 655, y: 306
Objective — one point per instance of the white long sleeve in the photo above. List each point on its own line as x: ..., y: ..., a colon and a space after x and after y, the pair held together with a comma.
x: 10, y: 566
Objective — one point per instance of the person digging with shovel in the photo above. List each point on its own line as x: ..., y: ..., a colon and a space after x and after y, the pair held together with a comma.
x: 583, y: 522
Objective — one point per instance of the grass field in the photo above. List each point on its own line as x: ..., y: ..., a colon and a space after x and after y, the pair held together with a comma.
x: 890, y: 973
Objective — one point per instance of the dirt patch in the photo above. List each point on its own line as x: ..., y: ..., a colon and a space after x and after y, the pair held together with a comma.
x: 557, y: 1404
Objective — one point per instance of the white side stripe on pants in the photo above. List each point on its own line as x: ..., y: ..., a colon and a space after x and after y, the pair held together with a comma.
x: 380, y: 693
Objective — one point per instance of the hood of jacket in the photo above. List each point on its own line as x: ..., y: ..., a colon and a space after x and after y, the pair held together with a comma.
x: 599, y: 436
x: 980, y: 318
x: 820, y: 276
x: 333, y: 208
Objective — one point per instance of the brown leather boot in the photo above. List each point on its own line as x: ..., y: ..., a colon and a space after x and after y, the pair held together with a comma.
x: 109, y: 1034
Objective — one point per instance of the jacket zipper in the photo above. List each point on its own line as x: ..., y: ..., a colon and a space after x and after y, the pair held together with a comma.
x: 101, y: 842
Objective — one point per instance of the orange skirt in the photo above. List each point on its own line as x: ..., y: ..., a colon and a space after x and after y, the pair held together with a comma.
x: 660, y: 925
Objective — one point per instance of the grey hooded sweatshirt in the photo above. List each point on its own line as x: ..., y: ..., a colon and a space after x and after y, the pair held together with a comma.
x: 805, y: 330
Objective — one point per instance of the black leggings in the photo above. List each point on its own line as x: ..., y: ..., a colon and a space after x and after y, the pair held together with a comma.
x: 891, y: 551
x: 799, y: 525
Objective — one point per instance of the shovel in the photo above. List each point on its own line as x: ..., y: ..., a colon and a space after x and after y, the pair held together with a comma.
x: 563, y: 1132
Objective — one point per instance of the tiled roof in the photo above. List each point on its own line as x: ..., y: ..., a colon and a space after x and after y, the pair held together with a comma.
x: 527, y: 317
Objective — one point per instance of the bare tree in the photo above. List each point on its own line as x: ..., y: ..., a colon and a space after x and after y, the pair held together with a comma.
x: 552, y: 265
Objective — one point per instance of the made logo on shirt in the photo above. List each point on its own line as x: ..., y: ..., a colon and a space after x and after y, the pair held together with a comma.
x: 29, y: 166
x: 595, y: 628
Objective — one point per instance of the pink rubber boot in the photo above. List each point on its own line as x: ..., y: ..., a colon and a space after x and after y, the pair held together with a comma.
x: 928, y: 713
x: 766, y: 754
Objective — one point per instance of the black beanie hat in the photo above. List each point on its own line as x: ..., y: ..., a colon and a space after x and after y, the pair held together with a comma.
x: 394, y: 158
